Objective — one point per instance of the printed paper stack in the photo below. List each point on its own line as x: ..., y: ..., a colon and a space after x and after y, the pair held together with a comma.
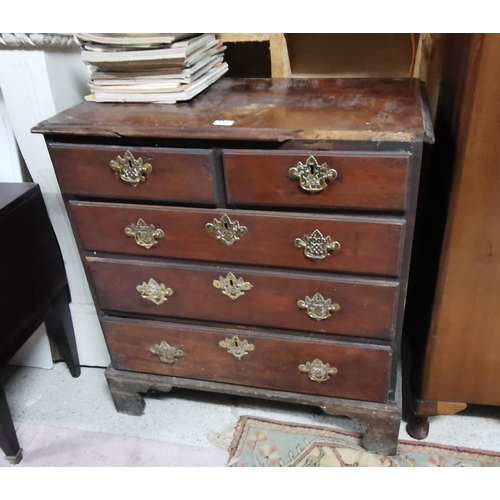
x: 151, y: 67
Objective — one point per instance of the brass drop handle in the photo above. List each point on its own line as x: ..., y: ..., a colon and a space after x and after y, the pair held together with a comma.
x: 129, y: 169
x: 145, y: 235
x: 236, y: 346
x: 166, y: 353
x: 317, y: 370
x: 316, y: 246
x: 318, y: 307
x: 154, y: 291
x: 226, y: 230
x: 312, y: 176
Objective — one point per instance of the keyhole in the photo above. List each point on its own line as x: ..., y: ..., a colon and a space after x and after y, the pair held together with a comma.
x: 226, y: 225
x: 237, y: 343
x: 231, y: 282
x: 311, y: 169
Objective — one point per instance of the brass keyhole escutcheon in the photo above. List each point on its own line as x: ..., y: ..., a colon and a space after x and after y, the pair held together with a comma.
x: 237, y: 347
x: 226, y: 230
x: 312, y: 176
x: 232, y: 286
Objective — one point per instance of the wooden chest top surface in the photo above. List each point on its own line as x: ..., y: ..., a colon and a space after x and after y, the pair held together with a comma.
x: 265, y: 109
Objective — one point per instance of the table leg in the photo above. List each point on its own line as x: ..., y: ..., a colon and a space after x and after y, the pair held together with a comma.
x: 8, y: 438
x: 60, y: 329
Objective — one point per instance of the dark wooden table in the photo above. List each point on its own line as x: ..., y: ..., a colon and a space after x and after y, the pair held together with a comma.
x: 33, y: 288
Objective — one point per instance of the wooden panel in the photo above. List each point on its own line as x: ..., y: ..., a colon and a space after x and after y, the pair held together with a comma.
x: 373, y: 182
x: 362, y: 370
x: 348, y: 55
x: 263, y: 109
x: 463, y: 355
x: 367, y: 308
x: 368, y: 246
x: 178, y: 174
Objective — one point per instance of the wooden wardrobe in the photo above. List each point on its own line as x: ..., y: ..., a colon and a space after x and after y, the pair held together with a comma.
x: 454, y: 319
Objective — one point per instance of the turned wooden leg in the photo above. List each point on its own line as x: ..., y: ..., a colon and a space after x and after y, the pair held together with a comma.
x: 60, y: 329
x: 127, y: 388
x: 8, y: 438
x: 418, y: 428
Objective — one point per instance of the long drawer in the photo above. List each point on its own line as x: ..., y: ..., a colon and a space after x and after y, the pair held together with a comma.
x: 250, y: 358
x: 316, y: 179
x: 319, y: 242
x: 167, y: 174
x: 247, y: 296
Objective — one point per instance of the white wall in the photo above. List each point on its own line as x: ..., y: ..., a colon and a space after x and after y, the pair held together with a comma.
x: 36, y: 85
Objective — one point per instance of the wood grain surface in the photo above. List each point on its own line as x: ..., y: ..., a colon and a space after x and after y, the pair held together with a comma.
x: 263, y: 109
x: 367, y: 307
x: 367, y: 245
x: 177, y: 174
x: 262, y: 178
x: 273, y: 364
x: 463, y: 354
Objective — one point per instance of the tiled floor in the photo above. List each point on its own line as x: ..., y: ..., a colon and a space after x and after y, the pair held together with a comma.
x: 52, y: 398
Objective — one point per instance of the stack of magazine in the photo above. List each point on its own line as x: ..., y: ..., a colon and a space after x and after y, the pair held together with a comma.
x: 151, y: 67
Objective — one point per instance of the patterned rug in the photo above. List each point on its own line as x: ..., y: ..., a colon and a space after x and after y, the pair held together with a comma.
x: 267, y: 443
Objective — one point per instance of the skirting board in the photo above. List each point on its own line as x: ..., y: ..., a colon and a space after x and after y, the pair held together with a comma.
x: 90, y: 342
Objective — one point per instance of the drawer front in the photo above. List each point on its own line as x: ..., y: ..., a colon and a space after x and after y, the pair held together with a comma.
x: 291, y: 178
x: 108, y: 171
x: 267, y: 239
x: 248, y: 297
x: 250, y: 359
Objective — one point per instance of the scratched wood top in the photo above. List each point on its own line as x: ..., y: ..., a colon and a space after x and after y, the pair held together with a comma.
x: 265, y: 109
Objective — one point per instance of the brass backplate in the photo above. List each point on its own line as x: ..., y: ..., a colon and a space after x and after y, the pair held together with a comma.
x: 129, y: 169
x: 145, y: 235
x: 318, y: 307
x: 154, y: 291
x: 312, y: 176
x: 317, y: 370
x: 226, y: 230
x: 166, y: 353
x: 236, y: 346
x: 316, y: 246
x: 231, y: 286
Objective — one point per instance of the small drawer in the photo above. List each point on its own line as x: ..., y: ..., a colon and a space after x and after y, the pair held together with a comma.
x: 247, y: 296
x: 316, y: 179
x: 278, y: 362
x: 329, y: 243
x: 149, y: 173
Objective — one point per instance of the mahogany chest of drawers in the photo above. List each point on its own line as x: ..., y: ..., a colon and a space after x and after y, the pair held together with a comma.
x: 254, y: 241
